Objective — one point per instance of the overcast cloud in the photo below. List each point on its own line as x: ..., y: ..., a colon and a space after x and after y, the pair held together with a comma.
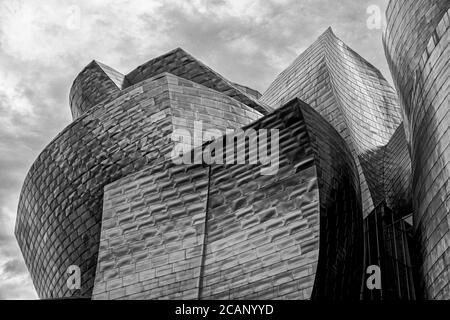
x: 44, y: 44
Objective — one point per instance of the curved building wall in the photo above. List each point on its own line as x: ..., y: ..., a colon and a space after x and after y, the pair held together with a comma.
x: 285, y: 236
x: 96, y: 83
x: 341, y: 228
x: 350, y: 94
x: 417, y: 43
x: 229, y: 232
x: 60, y: 208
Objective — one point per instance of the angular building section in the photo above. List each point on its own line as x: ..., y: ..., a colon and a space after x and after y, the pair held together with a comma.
x: 417, y: 45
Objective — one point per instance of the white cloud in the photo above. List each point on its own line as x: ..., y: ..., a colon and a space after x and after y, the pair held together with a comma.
x: 16, y: 287
x: 11, y: 92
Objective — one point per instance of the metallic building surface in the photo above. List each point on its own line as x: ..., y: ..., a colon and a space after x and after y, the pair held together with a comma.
x: 182, y: 64
x: 229, y: 232
x: 99, y: 83
x: 304, y: 224
x: 60, y: 208
x: 152, y: 236
x: 93, y: 85
x: 356, y: 99
x: 341, y: 245
x: 353, y: 96
x: 123, y: 125
x: 397, y: 174
x: 417, y: 45
x: 357, y: 168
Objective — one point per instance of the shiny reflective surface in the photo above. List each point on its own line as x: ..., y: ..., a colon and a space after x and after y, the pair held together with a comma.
x: 60, y: 208
x: 350, y: 94
x: 354, y: 97
x: 229, y: 232
x: 346, y: 154
x: 417, y: 43
x: 104, y: 195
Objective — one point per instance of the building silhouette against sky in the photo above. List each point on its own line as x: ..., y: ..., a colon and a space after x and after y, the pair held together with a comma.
x: 106, y: 195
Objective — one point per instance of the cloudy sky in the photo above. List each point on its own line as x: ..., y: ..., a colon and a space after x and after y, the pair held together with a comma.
x: 44, y: 44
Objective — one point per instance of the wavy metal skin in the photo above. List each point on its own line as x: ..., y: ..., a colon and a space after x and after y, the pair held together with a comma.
x: 118, y: 133
x: 343, y: 157
x: 341, y: 237
x: 229, y: 232
x: 350, y: 94
x: 417, y: 45
x: 60, y: 207
x: 304, y: 223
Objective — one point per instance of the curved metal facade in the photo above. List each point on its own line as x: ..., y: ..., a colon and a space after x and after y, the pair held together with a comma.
x: 353, y: 96
x: 106, y: 196
x: 417, y: 45
x: 233, y: 233
x: 60, y: 208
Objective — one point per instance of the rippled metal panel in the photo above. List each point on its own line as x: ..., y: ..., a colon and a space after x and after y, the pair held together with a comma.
x: 229, y: 232
x: 60, y: 208
x: 178, y: 231
x: 152, y: 236
x: 291, y: 235
x: 417, y: 44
